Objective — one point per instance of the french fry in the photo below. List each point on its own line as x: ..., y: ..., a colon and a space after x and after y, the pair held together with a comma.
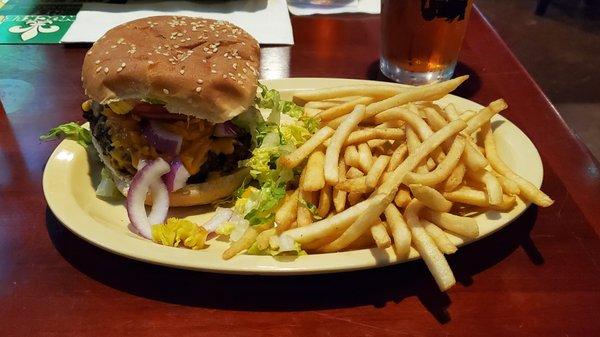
x: 508, y: 186
x: 311, y: 112
x: 450, y: 113
x: 351, y: 156
x: 484, y: 115
x: 443, y: 170
x: 492, y: 185
x: 380, y: 236
x: 439, y: 237
x: 354, y: 172
x: 286, y: 214
x: 327, y: 226
x: 466, y: 115
x: 413, y: 142
x: 382, y: 91
x: 461, y: 225
x: 434, y: 119
x: 314, y: 179
x: 355, y: 185
x: 361, y: 225
x: 425, y: 92
x: 355, y: 198
x: 433, y: 257
x: 468, y: 196
x: 455, y: 178
x: 364, y: 135
x: 387, y: 190
x: 527, y: 190
x: 295, y: 158
x: 325, y: 196
x: 320, y: 105
x: 332, y: 154
x: 472, y: 157
x: 415, y: 122
x: 339, y: 197
x: 390, y: 185
x: 262, y: 239
x: 274, y: 242
x: 241, y: 244
x: 430, y: 197
x: 403, y: 197
x: 365, y: 157
x: 342, y: 109
x: 376, y: 171
x: 304, y: 216
x: 397, y: 157
x: 399, y: 230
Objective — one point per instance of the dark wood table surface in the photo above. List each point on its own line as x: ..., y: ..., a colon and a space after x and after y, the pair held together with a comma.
x: 540, y: 276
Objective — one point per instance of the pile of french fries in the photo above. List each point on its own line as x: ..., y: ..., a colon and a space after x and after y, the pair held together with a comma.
x: 389, y: 167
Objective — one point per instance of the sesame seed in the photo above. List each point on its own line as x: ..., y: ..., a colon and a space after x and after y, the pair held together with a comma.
x: 120, y: 40
x: 182, y: 71
x: 119, y: 69
x: 89, y: 52
x: 198, y: 89
x: 123, y: 65
x: 166, y: 91
x: 106, y: 70
x: 235, y: 66
x: 97, y: 62
x: 113, y: 46
x: 98, y: 69
x: 213, y: 71
x: 200, y: 81
x: 224, y: 76
x: 150, y: 62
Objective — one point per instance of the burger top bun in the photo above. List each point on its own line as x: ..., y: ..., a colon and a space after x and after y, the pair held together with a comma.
x: 198, y: 67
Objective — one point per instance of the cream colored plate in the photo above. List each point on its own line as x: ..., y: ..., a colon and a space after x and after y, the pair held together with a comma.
x: 70, y: 178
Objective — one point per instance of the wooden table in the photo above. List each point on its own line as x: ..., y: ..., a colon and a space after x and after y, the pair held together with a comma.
x: 538, y: 276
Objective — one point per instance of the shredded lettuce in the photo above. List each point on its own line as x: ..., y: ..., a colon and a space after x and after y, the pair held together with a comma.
x: 294, y: 134
x: 274, y: 137
x: 107, y: 188
x: 254, y: 250
x: 71, y: 131
x: 311, y: 207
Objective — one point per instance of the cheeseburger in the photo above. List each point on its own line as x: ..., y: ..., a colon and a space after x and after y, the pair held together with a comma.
x: 167, y: 88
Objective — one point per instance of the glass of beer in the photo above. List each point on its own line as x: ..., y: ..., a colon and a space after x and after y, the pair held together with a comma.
x: 421, y: 39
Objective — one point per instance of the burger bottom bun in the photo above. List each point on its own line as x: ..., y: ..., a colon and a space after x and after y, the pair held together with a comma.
x: 192, y: 194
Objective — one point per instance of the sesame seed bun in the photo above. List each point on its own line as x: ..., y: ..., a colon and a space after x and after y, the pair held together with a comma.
x: 198, y: 67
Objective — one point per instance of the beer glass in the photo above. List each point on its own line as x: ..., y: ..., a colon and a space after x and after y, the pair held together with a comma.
x: 421, y: 39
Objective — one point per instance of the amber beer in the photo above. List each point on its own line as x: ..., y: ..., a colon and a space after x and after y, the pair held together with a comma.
x: 421, y: 39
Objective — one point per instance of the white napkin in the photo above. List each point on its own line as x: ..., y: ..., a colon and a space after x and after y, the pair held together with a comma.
x: 303, y: 7
x: 267, y: 20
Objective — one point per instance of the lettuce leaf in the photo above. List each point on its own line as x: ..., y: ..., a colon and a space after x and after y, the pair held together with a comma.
x: 71, y: 131
x: 254, y: 250
x: 272, y: 139
x: 311, y: 207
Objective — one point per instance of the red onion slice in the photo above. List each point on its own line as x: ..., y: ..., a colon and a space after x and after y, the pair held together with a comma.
x: 226, y: 130
x: 148, y: 179
x: 177, y: 176
x: 163, y: 140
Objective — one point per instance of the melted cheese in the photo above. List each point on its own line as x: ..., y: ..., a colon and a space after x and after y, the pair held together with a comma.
x: 129, y: 146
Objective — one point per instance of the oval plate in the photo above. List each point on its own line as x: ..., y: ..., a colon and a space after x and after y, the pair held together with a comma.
x: 70, y: 177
